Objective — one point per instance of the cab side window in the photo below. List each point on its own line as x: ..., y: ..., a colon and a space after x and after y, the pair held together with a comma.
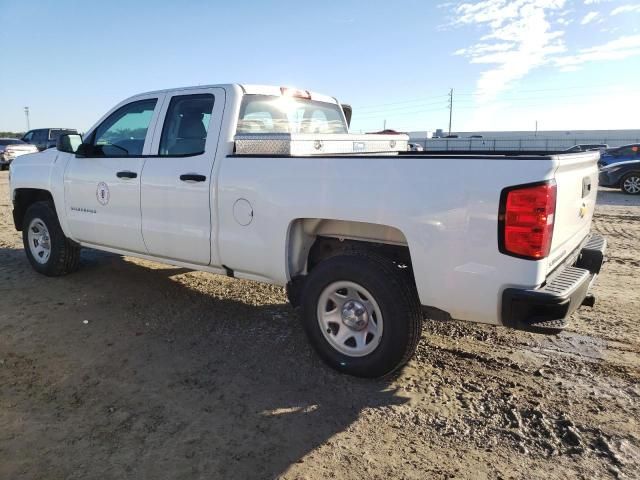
x: 40, y: 137
x: 186, y: 124
x: 123, y: 133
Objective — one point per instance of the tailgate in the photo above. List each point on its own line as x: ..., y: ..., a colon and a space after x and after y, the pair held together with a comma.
x: 577, y: 182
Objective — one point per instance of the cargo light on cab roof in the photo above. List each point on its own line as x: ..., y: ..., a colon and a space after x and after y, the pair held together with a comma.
x: 293, y: 92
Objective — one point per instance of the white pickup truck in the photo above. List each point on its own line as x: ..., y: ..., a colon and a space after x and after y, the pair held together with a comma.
x: 363, y: 240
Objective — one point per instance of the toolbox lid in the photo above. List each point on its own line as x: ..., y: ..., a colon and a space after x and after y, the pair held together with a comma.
x: 317, y: 144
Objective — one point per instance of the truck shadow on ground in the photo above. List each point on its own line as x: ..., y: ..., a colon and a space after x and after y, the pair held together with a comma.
x: 124, y: 370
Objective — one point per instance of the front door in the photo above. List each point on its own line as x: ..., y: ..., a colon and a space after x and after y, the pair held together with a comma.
x: 176, y: 179
x: 102, y: 189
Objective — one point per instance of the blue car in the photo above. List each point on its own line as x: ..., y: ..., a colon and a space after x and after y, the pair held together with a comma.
x: 622, y: 175
x: 625, y: 153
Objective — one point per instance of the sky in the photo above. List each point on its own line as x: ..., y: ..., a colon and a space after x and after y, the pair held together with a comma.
x: 565, y: 64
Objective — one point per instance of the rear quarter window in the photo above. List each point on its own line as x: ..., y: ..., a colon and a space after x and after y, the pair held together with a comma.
x: 273, y: 114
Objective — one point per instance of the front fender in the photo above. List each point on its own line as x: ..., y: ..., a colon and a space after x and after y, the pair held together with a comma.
x: 42, y: 171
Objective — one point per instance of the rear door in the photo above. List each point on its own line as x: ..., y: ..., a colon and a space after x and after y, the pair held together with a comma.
x: 176, y: 179
x: 102, y: 189
x: 577, y: 187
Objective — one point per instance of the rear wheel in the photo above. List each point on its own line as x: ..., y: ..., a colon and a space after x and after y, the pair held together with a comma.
x: 47, y: 248
x: 362, y: 314
x: 631, y: 184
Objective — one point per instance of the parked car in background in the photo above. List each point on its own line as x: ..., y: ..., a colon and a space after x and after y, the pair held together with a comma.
x: 588, y: 147
x: 44, y: 138
x: 11, y: 148
x: 622, y: 175
x: 415, y: 147
x: 625, y: 153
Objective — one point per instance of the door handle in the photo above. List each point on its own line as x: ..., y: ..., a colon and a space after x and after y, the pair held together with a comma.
x: 126, y: 174
x: 192, y: 177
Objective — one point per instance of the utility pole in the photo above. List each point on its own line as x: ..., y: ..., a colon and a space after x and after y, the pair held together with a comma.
x: 384, y: 125
x: 26, y: 114
x: 450, y: 108
x: 536, y: 134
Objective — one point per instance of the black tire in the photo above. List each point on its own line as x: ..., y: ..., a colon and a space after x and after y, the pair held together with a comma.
x: 394, y: 292
x: 64, y: 254
x: 626, y: 188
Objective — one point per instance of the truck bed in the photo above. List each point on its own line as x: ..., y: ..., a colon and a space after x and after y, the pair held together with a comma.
x: 445, y: 205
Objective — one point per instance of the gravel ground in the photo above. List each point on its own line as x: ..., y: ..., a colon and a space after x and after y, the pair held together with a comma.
x: 131, y: 369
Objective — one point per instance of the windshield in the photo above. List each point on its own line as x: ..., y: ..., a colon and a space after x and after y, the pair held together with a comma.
x: 271, y: 114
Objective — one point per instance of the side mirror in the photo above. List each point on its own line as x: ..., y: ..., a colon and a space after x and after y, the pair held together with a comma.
x: 85, y: 150
x: 69, y: 143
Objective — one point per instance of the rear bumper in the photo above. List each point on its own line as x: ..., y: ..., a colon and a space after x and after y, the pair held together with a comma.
x: 549, y: 306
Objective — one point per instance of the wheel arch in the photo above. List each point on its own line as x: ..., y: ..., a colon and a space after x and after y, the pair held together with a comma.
x: 311, y: 240
x: 25, y: 197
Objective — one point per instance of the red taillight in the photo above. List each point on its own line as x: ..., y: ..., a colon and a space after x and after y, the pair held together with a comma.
x: 527, y: 215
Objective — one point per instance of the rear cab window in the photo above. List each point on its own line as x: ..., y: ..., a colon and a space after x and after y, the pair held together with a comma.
x: 285, y: 114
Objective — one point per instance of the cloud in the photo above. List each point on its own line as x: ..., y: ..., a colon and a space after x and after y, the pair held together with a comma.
x: 625, y: 9
x: 520, y: 38
x: 589, y: 17
x: 623, y: 47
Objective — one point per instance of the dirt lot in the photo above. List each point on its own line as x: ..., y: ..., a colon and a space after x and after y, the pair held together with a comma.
x: 130, y: 369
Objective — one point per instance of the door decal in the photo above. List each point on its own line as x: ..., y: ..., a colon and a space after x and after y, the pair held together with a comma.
x: 102, y: 193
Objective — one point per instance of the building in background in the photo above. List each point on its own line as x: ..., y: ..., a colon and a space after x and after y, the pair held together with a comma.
x: 522, y: 140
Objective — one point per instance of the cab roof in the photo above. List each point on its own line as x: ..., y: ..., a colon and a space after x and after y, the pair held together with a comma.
x: 248, y: 89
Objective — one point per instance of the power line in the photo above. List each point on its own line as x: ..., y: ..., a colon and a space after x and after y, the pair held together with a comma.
x: 573, y: 87
x: 400, y: 105
x: 383, y: 114
x: 413, y: 100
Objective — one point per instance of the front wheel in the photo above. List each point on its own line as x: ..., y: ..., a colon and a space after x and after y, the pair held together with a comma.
x: 630, y: 184
x: 362, y: 314
x: 47, y: 248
